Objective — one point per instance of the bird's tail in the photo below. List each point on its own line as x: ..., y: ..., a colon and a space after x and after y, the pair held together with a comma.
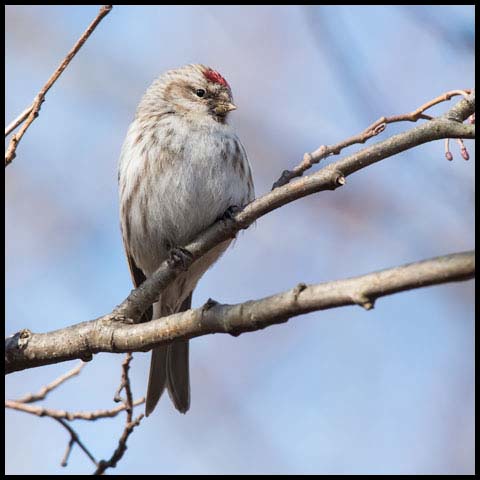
x: 169, y: 368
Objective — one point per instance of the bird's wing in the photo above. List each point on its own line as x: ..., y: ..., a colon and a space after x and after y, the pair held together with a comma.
x: 138, y: 277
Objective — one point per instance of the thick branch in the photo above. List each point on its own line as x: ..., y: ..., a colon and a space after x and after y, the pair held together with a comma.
x: 108, y: 334
x: 328, y: 178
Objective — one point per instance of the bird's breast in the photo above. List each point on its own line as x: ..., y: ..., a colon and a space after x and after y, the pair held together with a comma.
x: 181, y: 180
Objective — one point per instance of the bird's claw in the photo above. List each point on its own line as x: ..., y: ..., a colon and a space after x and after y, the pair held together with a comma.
x: 230, y: 212
x: 209, y: 304
x: 181, y: 257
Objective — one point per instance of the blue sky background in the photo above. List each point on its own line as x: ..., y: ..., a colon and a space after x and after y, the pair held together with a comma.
x: 341, y: 391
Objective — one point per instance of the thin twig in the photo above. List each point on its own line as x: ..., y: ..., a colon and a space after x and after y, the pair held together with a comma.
x: 34, y: 109
x: 61, y: 415
x: 120, y: 450
x: 74, y: 438
x: 53, y: 413
x: 377, y: 127
x: 129, y: 423
x: 20, y: 119
x: 128, y: 390
x: 42, y: 393
x: 124, y: 380
x: 68, y: 450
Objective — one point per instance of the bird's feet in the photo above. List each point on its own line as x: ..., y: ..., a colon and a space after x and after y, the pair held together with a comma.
x: 230, y: 212
x: 180, y: 257
x: 209, y: 304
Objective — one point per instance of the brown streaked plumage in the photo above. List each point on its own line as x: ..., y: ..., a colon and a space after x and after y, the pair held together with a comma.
x: 181, y: 167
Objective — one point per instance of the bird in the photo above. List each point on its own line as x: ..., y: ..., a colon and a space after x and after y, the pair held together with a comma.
x: 181, y: 168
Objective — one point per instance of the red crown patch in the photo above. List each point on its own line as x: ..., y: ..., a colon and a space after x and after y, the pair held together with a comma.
x: 215, y: 77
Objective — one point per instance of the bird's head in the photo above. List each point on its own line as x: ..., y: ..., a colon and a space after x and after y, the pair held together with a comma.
x: 191, y: 91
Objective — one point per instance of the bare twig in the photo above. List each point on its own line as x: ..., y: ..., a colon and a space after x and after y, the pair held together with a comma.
x: 42, y: 393
x: 130, y: 424
x: 20, y: 119
x: 74, y: 438
x: 120, y: 450
x: 21, y: 403
x: 124, y: 380
x: 309, y: 159
x: 111, y: 334
x: 29, y: 115
x: 63, y: 414
x: 68, y: 451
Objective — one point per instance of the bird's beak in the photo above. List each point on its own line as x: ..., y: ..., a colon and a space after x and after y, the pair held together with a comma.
x: 224, y: 108
x: 230, y: 106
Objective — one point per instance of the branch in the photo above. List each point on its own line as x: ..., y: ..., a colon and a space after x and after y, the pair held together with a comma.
x: 130, y: 424
x: 18, y: 121
x: 74, y: 439
x: 110, y: 334
x: 328, y: 178
x: 120, y: 450
x: 45, y: 390
x: 21, y: 403
x: 26, y: 350
x: 377, y: 127
x: 29, y: 114
x: 62, y: 414
x: 125, y: 385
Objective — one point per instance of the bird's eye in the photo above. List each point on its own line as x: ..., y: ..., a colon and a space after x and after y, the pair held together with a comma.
x: 200, y: 92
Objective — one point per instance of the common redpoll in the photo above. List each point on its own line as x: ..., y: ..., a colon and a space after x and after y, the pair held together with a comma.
x: 181, y: 168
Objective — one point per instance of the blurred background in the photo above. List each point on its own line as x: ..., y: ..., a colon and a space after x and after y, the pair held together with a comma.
x: 344, y: 391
